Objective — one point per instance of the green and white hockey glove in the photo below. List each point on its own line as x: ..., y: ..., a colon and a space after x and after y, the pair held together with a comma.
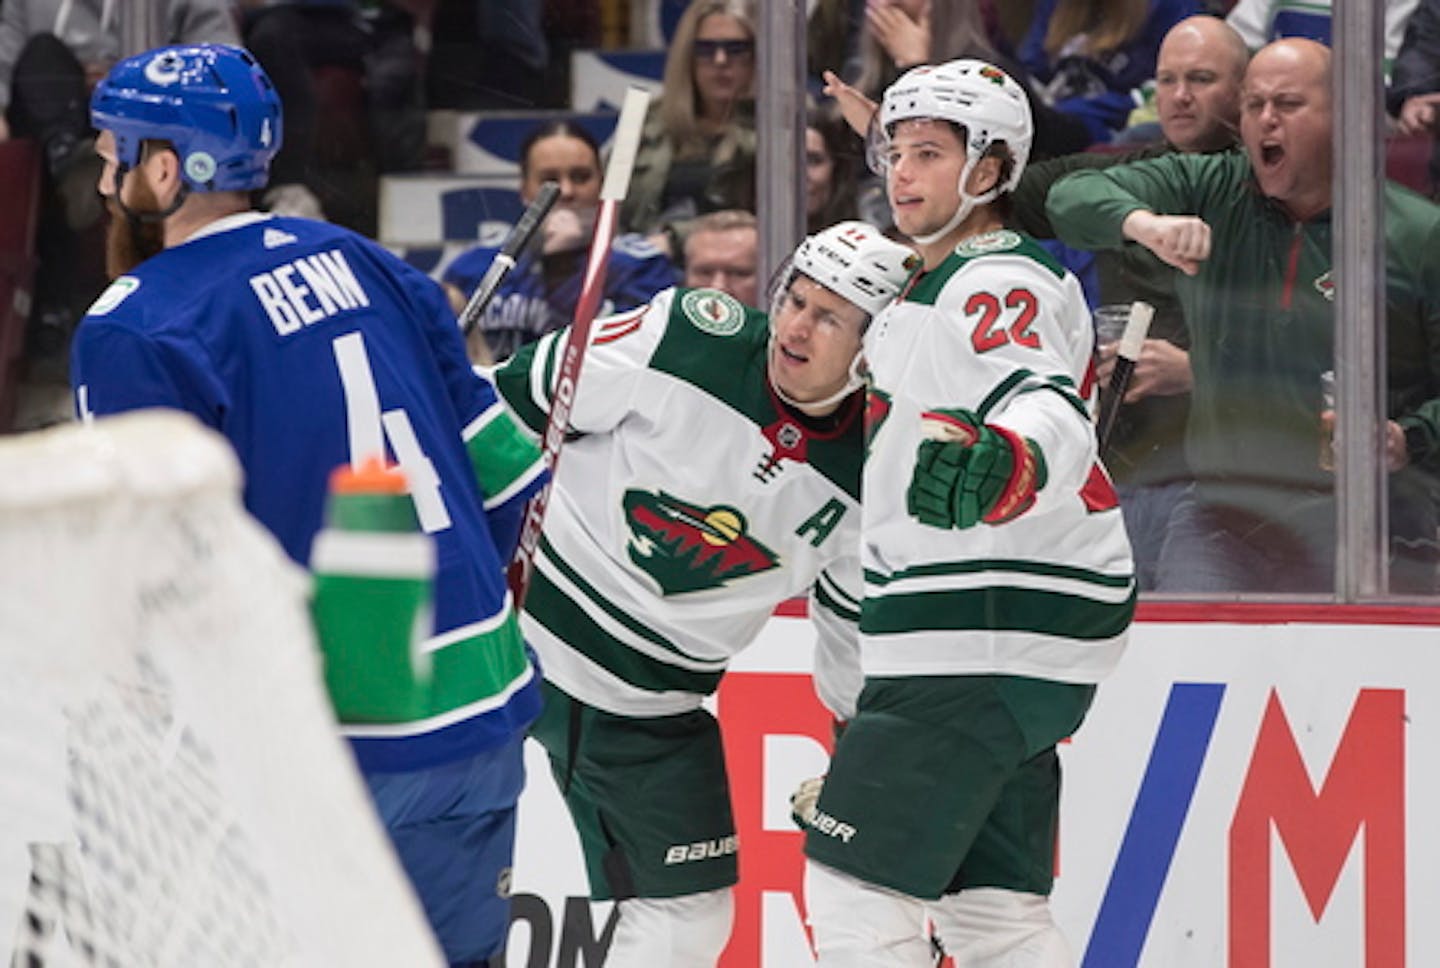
x: 970, y: 472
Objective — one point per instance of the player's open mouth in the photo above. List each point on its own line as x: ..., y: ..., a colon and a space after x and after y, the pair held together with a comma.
x: 793, y: 356
x: 1271, y: 155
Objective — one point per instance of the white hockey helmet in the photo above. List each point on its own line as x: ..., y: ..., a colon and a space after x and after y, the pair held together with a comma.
x: 979, y: 97
x: 857, y: 262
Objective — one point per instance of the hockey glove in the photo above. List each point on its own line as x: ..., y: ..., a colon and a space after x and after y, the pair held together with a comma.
x: 971, y: 472
x: 803, y: 800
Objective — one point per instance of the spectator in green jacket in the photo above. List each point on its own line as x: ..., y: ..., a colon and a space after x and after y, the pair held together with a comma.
x: 1252, y: 234
x: 1197, y: 97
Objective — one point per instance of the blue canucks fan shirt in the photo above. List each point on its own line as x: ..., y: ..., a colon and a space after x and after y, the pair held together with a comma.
x: 524, y: 309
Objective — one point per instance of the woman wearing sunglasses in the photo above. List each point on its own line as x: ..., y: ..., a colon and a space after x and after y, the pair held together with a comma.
x: 697, y: 153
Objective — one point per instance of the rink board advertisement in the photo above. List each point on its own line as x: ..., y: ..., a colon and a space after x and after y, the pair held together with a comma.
x: 1255, y: 787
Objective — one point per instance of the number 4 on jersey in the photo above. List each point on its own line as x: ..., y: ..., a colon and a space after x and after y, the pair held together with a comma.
x: 369, y: 429
x: 991, y: 332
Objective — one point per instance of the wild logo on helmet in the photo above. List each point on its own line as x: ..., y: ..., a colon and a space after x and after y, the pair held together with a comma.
x: 688, y: 548
x: 993, y: 74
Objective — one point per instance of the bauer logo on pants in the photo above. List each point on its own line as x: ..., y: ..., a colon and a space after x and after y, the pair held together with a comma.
x: 702, y: 850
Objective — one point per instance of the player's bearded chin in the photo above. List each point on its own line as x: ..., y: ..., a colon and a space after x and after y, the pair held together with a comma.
x: 129, y: 241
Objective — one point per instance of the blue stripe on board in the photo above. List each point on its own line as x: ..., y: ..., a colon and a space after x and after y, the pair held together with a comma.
x: 1156, y: 822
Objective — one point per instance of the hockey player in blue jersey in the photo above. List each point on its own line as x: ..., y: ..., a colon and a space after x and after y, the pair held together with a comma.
x: 540, y: 293
x: 310, y: 347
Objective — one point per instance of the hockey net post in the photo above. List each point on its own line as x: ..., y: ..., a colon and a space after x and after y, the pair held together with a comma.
x: 177, y: 792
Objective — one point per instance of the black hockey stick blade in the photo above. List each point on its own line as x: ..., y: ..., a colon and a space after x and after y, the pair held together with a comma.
x: 515, y: 243
x: 1131, y: 343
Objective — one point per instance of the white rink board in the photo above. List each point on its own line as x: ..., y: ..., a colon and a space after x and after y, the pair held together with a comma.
x: 1342, y: 766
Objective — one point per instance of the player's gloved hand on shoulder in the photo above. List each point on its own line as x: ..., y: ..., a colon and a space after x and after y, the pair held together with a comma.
x: 970, y: 472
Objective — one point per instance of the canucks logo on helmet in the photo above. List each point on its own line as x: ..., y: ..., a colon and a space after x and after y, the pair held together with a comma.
x: 212, y: 102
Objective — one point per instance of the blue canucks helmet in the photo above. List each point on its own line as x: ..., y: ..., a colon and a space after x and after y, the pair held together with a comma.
x: 213, y: 102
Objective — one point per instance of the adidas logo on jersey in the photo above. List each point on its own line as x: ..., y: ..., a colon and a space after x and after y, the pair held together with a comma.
x: 274, y: 238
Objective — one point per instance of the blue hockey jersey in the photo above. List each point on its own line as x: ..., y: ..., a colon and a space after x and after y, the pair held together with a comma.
x: 309, y: 347
x: 524, y: 308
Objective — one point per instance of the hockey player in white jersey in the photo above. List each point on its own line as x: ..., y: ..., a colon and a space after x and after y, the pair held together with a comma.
x: 714, y: 472
x: 998, y: 583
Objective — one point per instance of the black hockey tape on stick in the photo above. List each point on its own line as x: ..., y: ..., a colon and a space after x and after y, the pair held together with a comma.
x: 515, y: 243
x: 612, y: 192
x: 1131, y: 342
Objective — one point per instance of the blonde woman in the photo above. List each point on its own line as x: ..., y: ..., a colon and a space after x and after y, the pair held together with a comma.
x: 697, y: 153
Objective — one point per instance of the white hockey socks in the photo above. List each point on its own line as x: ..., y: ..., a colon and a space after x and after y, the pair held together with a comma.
x: 860, y: 925
x: 688, y: 931
x: 993, y: 928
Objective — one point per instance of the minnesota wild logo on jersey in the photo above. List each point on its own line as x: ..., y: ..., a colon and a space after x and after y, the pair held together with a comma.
x: 715, y: 312
x: 687, y: 548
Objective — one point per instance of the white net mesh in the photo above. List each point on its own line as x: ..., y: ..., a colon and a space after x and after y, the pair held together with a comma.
x: 175, y: 790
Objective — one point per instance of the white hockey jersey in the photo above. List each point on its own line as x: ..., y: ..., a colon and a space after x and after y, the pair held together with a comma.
x: 689, y: 502
x: 999, y: 328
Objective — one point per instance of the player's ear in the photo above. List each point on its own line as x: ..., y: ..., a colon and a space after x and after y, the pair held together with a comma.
x: 170, y: 171
x: 986, y: 175
x: 162, y: 164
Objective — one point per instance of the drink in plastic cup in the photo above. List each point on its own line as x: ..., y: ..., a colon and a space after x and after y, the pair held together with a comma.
x: 1110, y: 323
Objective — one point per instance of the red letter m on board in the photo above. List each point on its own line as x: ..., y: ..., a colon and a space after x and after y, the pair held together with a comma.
x: 1364, y: 792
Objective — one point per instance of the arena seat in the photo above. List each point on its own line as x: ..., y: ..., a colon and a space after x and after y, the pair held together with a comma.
x: 598, y: 78
x: 489, y: 142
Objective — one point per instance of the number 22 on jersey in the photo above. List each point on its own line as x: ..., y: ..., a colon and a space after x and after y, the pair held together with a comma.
x: 1003, y: 321
x: 369, y: 428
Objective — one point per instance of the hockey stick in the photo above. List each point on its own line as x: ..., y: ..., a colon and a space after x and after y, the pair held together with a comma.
x: 514, y: 244
x: 612, y: 192
x: 1131, y: 342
